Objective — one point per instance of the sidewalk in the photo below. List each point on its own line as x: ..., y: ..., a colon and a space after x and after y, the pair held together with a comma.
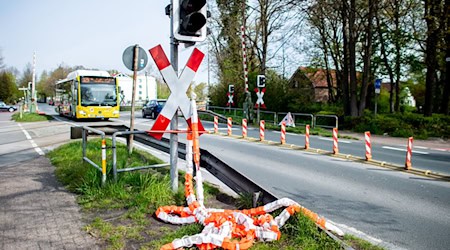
x: 36, y: 212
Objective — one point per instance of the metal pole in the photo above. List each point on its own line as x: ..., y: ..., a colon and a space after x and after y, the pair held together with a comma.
x: 135, y: 68
x: 376, y: 99
x: 33, y: 88
x: 174, y: 122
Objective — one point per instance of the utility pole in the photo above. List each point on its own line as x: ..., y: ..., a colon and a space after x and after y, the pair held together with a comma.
x: 133, y: 94
x: 33, y: 86
x: 174, y: 122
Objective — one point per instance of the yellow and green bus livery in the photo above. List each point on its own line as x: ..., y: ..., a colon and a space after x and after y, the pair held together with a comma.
x: 88, y: 94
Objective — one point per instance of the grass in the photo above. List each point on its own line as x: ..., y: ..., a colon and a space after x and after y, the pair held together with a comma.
x: 30, y: 117
x: 121, y: 213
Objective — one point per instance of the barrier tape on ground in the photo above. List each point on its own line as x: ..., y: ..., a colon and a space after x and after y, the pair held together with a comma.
x: 368, y: 146
x: 228, y: 229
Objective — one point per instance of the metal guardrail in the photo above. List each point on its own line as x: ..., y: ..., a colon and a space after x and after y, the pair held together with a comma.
x: 326, y: 116
x: 128, y: 169
x: 84, y: 133
x: 229, y: 176
x: 279, y: 115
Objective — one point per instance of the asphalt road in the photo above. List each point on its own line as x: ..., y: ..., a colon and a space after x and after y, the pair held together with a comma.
x: 394, y: 209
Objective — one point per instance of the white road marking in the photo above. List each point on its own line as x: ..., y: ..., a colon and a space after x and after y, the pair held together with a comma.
x: 331, y: 139
x: 404, y: 150
x: 33, y: 144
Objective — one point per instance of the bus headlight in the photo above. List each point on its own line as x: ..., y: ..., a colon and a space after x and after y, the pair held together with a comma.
x: 82, y: 112
x: 115, y: 112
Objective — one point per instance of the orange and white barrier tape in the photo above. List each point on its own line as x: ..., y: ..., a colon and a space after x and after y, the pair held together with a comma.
x: 216, y: 124
x: 261, y: 129
x: 229, y: 125
x: 408, y: 153
x: 283, y: 133
x: 368, y: 146
x: 307, y: 137
x: 244, y: 128
x: 335, y: 141
x: 228, y: 229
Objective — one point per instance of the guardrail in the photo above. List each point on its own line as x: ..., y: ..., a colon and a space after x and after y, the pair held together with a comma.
x: 84, y: 133
x: 128, y: 169
x: 327, y: 117
x: 275, y: 117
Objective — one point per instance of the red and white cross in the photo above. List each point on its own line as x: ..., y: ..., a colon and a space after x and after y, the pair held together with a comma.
x: 178, y: 87
x: 259, y: 95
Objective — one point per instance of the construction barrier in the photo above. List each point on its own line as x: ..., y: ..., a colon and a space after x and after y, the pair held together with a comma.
x: 368, y: 146
x: 307, y: 137
x: 244, y: 128
x: 216, y: 124
x: 335, y: 141
x: 283, y: 133
x: 261, y: 130
x: 227, y: 229
x: 229, y: 125
x: 408, y: 153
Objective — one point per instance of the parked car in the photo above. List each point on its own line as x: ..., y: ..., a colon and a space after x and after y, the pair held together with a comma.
x: 152, y: 108
x: 4, y: 107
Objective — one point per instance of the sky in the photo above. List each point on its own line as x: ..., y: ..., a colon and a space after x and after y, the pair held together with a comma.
x: 91, y: 33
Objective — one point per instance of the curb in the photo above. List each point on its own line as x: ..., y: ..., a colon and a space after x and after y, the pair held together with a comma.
x: 415, y: 171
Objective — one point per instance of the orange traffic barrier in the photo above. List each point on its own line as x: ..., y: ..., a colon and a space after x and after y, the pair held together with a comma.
x: 335, y: 141
x: 307, y: 137
x: 229, y: 125
x: 283, y: 133
x: 408, y: 153
x: 244, y: 128
x: 368, y: 146
x: 261, y: 129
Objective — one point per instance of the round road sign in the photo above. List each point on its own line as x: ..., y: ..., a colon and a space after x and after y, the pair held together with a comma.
x: 128, y: 56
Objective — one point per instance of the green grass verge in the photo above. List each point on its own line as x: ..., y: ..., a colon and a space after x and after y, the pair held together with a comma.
x: 30, y: 117
x: 121, y: 213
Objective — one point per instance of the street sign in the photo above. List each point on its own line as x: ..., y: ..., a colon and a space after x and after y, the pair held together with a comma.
x: 127, y: 58
x: 230, y: 99
x: 259, y: 95
x: 178, y: 87
x: 377, y: 86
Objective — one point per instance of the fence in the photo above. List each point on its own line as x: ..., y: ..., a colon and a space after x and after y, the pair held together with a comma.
x: 324, y: 121
x: 84, y: 133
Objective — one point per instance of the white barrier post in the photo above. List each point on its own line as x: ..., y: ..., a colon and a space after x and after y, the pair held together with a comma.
x: 216, y: 124
x: 307, y: 137
x: 229, y: 124
x: 261, y: 130
x: 408, y: 154
x: 244, y: 128
x: 283, y: 133
x: 335, y: 141
x: 368, y: 146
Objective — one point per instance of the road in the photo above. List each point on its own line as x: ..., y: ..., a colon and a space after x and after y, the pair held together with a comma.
x: 395, y: 209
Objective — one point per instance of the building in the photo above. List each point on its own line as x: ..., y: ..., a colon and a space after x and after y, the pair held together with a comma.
x: 312, y: 82
x: 146, y: 89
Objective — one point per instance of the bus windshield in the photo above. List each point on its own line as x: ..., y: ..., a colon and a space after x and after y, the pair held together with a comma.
x: 98, y: 94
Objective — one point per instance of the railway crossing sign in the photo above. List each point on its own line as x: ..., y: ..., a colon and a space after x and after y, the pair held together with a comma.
x: 178, y: 87
x: 259, y: 95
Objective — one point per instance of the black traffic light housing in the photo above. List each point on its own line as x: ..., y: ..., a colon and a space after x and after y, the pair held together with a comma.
x: 189, y: 20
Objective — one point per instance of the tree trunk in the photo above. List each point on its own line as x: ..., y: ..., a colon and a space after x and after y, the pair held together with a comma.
x: 430, y: 54
x: 446, y: 93
x: 397, y: 56
x: 367, y: 57
x: 346, y: 97
x: 386, y: 64
x: 352, y: 59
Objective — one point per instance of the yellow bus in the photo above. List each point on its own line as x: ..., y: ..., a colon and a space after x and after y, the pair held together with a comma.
x: 88, y: 94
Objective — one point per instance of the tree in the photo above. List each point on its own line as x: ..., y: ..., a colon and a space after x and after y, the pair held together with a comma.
x: 8, y: 88
x: 432, y: 12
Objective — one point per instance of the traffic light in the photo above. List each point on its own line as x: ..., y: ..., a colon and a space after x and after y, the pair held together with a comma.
x: 189, y: 20
x: 230, y: 89
x: 261, y: 81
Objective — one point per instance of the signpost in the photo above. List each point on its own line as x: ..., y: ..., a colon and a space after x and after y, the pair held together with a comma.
x: 377, y: 92
x: 230, y: 95
x: 135, y: 59
x: 260, y: 90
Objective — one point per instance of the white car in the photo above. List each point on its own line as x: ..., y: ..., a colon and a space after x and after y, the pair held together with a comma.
x: 4, y: 107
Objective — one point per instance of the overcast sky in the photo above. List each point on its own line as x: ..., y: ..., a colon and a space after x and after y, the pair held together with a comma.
x: 91, y: 33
